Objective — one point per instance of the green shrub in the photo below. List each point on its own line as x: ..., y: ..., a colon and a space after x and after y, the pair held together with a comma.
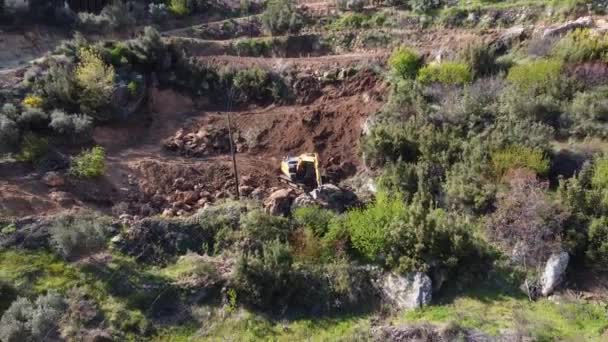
x: 405, y: 62
x: 370, y: 228
x: 448, y: 73
x: 89, y: 164
x: 581, y: 45
x: 179, y: 7
x: 597, y: 249
x: 518, y: 157
x: 481, y: 58
x: 536, y: 77
x: 589, y: 113
x: 599, y: 179
x: 423, y: 6
x: 32, y: 148
x: 132, y: 87
x: 315, y: 218
x: 259, y: 228
x: 33, y: 118
x: 57, y: 86
x: 281, y: 16
x: 253, y: 47
x: 75, y: 237
x: 9, y: 134
x: 256, y: 84
x: 388, y: 143
x: 15, y: 324
x: 96, y: 80
x: 70, y: 125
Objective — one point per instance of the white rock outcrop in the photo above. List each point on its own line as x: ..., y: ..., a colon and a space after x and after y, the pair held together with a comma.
x: 409, y: 291
x: 555, y: 268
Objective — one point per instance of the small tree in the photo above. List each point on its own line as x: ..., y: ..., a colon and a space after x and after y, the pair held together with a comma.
x: 77, y: 237
x: 405, y: 62
x: 526, y: 222
x: 89, y: 164
x: 16, y: 325
x: 281, y: 17
x: 96, y: 79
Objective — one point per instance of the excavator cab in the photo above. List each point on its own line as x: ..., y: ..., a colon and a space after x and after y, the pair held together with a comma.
x: 301, y: 171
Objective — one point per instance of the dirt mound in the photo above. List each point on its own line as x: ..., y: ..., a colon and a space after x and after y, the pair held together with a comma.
x: 330, y: 125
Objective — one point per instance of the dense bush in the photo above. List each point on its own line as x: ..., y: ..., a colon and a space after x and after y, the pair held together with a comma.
x: 89, y: 164
x: 79, y: 236
x: 405, y: 63
x: 281, y: 16
x: 72, y: 126
x: 413, y: 237
x: 57, y: 86
x: 527, y: 223
x: 32, y: 148
x: 589, y: 113
x: 424, y: 5
x: 9, y: 134
x: 519, y: 157
x: 114, y: 17
x: 536, y: 77
x: 447, y: 73
x: 351, y: 5
x: 481, y: 58
x: 179, y: 7
x: 96, y: 81
x: 315, y: 218
x: 24, y: 321
x: 388, y: 143
x: 15, y: 325
x: 581, y: 45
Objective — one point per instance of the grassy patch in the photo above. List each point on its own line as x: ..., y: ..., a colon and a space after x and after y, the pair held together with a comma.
x: 247, y: 326
x: 544, y: 320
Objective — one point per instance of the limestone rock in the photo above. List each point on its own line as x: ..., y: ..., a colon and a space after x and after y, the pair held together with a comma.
x: 554, y: 272
x: 334, y: 197
x: 582, y: 22
x: 304, y: 200
x: 409, y: 291
x: 53, y: 179
x: 279, y: 202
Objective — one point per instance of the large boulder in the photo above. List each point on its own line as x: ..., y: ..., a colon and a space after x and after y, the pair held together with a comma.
x: 334, y: 198
x: 304, y: 200
x: 555, y: 31
x: 554, y: 272
x: 409, y: 291
x: 279, y: 202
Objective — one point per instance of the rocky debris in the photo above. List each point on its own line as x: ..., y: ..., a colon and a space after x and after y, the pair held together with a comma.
x: 98, y: 335
x: 207, y: 140
x: 334, y: 198
x: 511, y: 35
x: 555, y: 31
x: 279, y: 202
x: 30, y: 233
x: 53, y: 179
x: 555, y: 269
x: 258, y: 194
x: 429, y: 333
x: 409, y: 291
x: 303, y: 200
x: 63, y: 198
x: 245, y: 190
x: 156, y: 240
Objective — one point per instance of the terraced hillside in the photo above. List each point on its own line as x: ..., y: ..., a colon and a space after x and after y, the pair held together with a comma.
x: 461, y: 145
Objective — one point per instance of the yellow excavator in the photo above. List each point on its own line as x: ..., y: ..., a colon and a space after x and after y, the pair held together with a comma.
x: 301, y: 171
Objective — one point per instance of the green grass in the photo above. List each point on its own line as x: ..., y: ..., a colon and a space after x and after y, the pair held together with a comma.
x: 247, y: 326
x: 545, y: 320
